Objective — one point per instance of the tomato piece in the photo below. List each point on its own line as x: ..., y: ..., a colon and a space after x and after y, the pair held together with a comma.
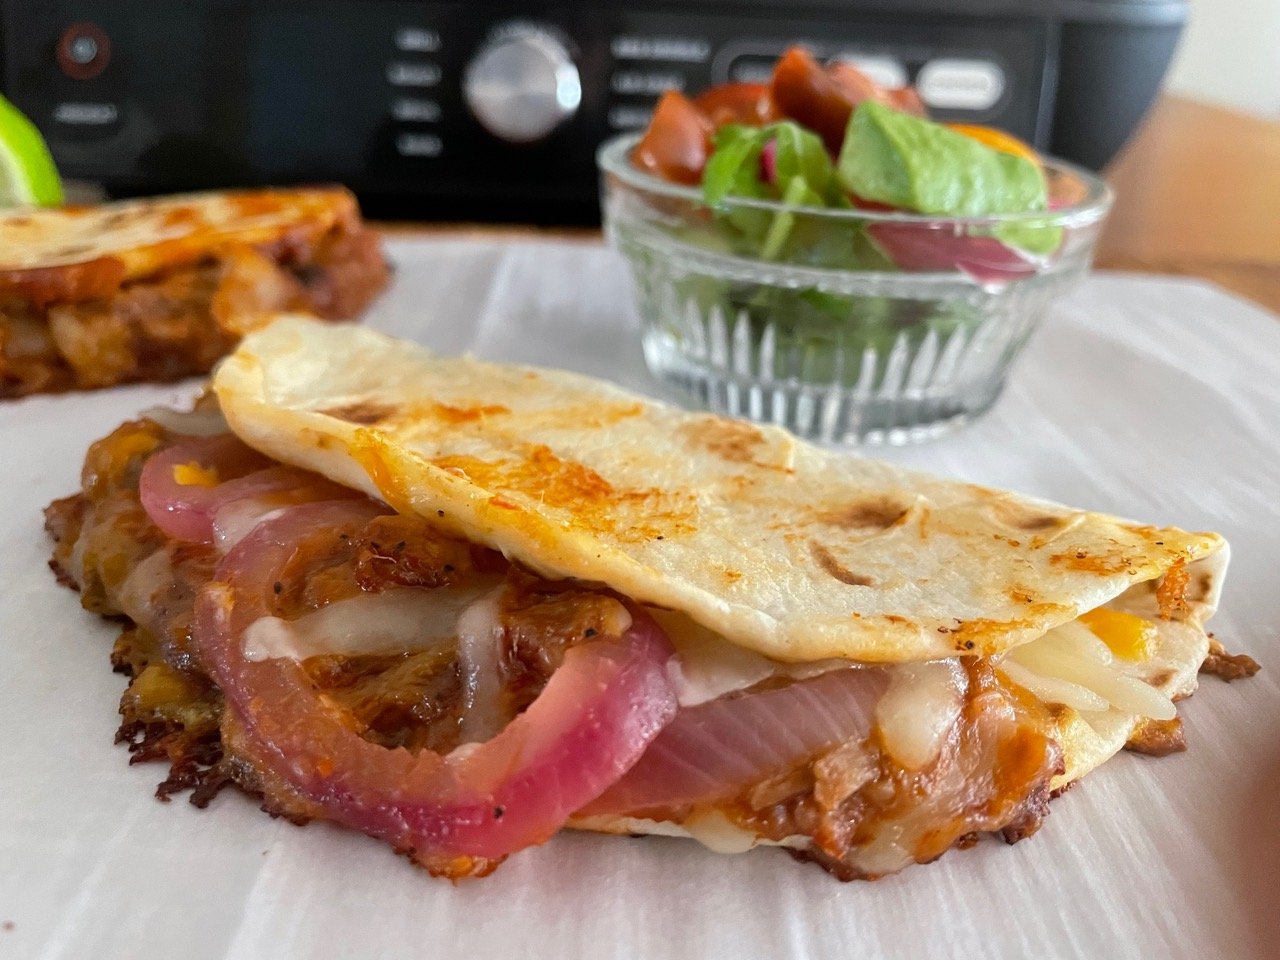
x: 748, y: 103
x: 807, y: 94
x: 677, y: 142
x: 856, y: 85
x: 908, y: 101
x: 823, y: 99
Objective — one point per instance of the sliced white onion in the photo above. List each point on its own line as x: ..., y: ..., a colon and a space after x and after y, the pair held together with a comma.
x: 1053, y: 689
x: 398, y: 620
x: 919, y: 709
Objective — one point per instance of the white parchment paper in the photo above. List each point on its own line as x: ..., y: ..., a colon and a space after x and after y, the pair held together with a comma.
x: 1152, y: 398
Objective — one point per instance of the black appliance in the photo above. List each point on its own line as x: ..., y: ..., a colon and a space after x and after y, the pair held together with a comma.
x: 478, y: 109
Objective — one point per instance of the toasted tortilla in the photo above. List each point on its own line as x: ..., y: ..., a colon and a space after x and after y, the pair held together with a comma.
x: 793, y: 551
x: 76, y: 251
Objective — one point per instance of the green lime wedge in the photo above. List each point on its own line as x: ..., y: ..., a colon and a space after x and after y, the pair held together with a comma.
x: 27, y: 174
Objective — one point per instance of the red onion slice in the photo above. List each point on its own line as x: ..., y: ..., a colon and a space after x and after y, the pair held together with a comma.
x: 184, y: 510
x: 236, y: 487
x: 245, y: 502
x: 926, y: 247
x: 769, y: 162
x: 592, y: 721
x: 720, y: 748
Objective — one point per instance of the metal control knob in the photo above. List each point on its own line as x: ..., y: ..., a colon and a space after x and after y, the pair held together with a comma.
x: 522, y: 84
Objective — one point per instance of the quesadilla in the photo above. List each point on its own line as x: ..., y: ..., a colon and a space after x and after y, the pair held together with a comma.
x: 460, y: 605
x: 161, y: 288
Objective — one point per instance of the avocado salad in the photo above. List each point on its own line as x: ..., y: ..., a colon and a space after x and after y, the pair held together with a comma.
x: 830, y: 139
x: 819, y: 145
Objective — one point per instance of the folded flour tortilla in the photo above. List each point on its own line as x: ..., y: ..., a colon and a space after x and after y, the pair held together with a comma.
x: 792, y: 552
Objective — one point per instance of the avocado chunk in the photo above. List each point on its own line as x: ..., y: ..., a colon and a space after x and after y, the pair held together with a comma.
x: 915, y: 164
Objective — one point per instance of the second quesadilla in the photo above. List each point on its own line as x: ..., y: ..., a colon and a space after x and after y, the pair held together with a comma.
x: 161, y: 288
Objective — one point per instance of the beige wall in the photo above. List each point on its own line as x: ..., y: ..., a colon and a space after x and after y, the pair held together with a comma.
x: 1230, y: 54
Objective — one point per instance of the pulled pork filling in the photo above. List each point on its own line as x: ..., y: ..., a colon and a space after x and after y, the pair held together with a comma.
x: 343, y: 662
x: 180, y: 322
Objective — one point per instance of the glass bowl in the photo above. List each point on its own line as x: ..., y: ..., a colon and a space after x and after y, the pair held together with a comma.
x: 825, y: 335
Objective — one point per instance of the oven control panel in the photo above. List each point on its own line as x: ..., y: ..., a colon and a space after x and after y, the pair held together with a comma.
x: 447, y: 109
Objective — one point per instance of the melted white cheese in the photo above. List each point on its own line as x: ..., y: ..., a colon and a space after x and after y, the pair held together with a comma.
x: 708, y: 666
x: 190, y: 423
x: 917, y: 712
x: 401, y: 619
x: 713, y: 830
x: 1052, y: 689
x: 1071, y: 666
x: 480, y: 637
x: 233, y: 522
